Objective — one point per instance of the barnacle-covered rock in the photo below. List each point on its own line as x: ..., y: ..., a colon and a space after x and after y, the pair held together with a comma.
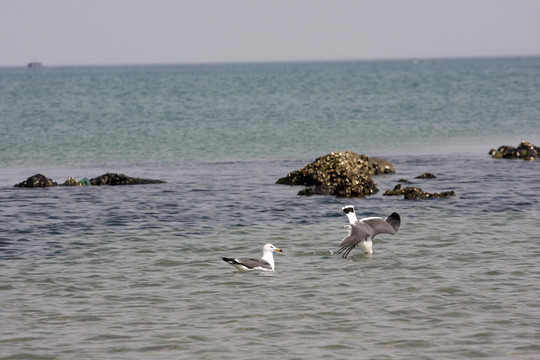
x: 378, y: 166
x: 40, y: 180
x: 426, y: 175
x: 342, y: 174
x: 72, y: 182
x: 37, y: 180
x: 414, y: 193
x: 398, y: 190
x: 121, y: 179
x: 525, y: 151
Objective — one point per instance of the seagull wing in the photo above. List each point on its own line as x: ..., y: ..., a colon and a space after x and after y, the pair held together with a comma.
x: 355, y: 237
x: 248, y: 264
x: 379, y: 226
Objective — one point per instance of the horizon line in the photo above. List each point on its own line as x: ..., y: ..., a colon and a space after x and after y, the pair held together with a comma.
x: 240, y: 62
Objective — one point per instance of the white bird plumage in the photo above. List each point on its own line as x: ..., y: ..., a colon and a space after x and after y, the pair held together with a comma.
x: 266, y: 263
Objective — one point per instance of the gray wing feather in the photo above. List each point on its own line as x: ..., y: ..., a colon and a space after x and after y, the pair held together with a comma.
x: 253, y: 263
x: 379, y: 226
x: 368, y: 228
x: 355, y: 237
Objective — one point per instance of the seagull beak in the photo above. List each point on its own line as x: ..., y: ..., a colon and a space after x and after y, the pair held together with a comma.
x: 278, y: 249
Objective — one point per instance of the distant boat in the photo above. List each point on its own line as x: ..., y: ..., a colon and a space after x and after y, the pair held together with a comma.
x: 34, y: 64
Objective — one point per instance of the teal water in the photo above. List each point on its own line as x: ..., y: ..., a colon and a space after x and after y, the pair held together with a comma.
x: 175, y: 114
x: 135, y: 272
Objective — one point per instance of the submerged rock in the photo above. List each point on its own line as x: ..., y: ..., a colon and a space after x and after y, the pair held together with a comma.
x: 414, y: 193
x: 37, y: 180
x: 342, y: 174
x: 40, y: 180
x: 121, y: 179
x: 525, y: 151
x: 426, y: 175
x: 398, y: 190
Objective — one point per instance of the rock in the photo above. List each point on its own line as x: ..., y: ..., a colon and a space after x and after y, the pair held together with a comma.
x: 525, y: 151
x: 528, y: 151
x: 121, y: 179
x: 72, y: 182
x: 378, y: 166
x: 37, y: 180
x: 342, y: 174
x: 504, y: 152
x: 426, y: 175
x: 317, y: 190
x: 405, y: 181
x: 398, y: 190
x: 414, y: 193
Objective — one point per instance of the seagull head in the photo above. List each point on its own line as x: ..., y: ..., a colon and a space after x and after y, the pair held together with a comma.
x: 351, y: 214
x: 348, y: 209
x: 270, y: 247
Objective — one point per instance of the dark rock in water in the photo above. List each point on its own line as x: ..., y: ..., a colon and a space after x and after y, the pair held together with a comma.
x: 528, y: 151
x: 398, y: 190
x: 505, y: 152
x: 342, y: 174
x: 414, y: 193
x: 37, y: 180
x: 404, y: 181
x: 317, y: 190
x: 426, y: 175
x: 121, y: 179
x: 525, y: 151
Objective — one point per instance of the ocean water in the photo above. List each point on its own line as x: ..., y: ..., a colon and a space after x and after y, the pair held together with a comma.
x: 134, y: 272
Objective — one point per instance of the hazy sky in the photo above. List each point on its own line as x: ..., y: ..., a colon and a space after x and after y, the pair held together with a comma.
x: 71, y: 32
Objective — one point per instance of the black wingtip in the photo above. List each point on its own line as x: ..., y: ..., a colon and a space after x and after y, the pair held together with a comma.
x: 394, y: 220
x: 345, y: 249
x: 395, y: 216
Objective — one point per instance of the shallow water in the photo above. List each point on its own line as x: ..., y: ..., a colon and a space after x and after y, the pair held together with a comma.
x: 122, y: 273
x: 134, y: 272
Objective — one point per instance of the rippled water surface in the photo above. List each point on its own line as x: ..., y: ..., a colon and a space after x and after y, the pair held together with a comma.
x: 119, y: 272
x: 134, y: 272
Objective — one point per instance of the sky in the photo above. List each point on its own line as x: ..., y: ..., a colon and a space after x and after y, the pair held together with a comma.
x: 108, y: 32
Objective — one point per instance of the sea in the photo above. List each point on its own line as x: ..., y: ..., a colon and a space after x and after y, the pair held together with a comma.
x: 135, y: 272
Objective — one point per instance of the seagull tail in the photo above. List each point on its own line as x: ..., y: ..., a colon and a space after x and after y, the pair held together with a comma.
x: 230, y: 260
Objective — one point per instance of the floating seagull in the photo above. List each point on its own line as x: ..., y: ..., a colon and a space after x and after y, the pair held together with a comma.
x: 266, y: 263
x: 364, y: 230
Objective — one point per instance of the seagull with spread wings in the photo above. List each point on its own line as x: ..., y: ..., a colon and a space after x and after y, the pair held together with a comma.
x: 364, y: 230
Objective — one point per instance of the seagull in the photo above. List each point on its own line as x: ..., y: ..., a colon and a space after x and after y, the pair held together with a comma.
x: 364, y: 230
x: 266, y: 263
